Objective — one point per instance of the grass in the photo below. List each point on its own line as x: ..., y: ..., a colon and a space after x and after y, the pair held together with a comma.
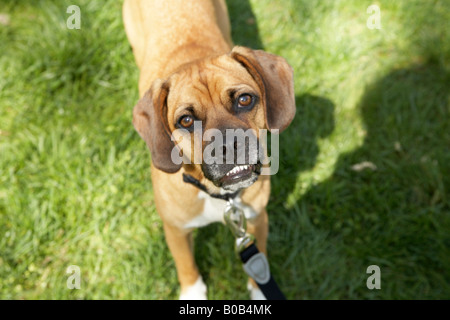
x: 74, y: 175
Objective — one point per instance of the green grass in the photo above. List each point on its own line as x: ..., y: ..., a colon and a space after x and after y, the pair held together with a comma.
x: 74, y: 175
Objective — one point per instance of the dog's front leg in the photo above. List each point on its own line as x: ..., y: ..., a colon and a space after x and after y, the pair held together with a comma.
x: 181, y: 246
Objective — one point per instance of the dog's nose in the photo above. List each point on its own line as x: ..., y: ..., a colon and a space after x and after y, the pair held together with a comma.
x: 231, y: 148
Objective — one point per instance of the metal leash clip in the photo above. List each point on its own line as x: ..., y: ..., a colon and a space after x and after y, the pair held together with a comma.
x: 237, y: 223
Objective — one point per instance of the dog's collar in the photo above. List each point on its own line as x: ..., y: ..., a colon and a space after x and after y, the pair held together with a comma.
x: 195, y: 182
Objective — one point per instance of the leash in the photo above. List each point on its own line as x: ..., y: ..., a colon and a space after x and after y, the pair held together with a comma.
x: 254, y: 262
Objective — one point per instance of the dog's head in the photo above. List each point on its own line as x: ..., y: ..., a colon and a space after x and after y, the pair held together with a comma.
x: 217, y: 105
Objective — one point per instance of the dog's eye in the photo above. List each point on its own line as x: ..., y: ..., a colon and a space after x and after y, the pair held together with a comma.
x: 245, y: 100
x: 186, y: 121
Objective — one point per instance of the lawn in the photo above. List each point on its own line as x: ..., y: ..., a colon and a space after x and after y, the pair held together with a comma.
x: 365, y: 166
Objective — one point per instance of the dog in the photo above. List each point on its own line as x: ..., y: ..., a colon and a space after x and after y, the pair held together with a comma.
x: 190, y: 72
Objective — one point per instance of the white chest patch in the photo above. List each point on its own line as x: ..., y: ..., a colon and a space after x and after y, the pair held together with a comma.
x: 213, y: 210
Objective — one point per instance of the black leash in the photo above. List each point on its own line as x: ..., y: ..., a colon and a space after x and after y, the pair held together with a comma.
x: 266, y: 283
x: 255, y: 262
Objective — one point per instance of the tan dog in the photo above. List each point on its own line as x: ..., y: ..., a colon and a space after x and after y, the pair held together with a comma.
x: 190, y: 72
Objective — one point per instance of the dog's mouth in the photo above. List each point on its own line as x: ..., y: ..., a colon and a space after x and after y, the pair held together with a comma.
x: 239, y: 177
x: 238, y: 173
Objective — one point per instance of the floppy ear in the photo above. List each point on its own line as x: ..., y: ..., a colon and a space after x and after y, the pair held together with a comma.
x: 275, y: 79
x: 150, y: 121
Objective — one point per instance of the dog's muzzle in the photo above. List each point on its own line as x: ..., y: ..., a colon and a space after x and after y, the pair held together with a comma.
x: 234, y: 162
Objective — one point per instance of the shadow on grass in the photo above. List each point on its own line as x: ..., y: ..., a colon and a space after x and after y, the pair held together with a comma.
x: 244, y: 27
x: 393, y: 209
x: 299, y: 149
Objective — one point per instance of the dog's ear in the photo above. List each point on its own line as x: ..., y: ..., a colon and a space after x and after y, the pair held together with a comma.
x: 150, y: 121
x: 274, y: 76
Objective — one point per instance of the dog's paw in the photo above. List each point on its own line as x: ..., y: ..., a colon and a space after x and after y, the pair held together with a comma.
x: 197, y: 291
x: 255, y: 293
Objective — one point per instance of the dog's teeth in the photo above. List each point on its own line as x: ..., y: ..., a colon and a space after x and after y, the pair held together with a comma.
x: 237, y: 169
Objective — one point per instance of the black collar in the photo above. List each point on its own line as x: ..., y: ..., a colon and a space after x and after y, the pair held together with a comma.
x: 190, y: 179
